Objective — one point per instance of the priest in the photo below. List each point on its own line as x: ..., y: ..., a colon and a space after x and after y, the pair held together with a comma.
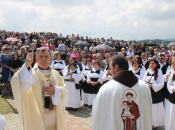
x: 40, y: 93
x: 123, y: 103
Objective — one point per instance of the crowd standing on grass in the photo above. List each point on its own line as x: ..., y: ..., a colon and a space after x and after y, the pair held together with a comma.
x: 85, y: 69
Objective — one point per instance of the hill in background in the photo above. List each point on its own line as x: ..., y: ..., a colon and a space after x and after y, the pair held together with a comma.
x: 159, y: 41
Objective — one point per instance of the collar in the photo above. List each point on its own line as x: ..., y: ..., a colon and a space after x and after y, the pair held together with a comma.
x: 43, y: 69
x: 126, y: 78
x: 94, y: 69
x: 87, y: 67
x: 136, y: 70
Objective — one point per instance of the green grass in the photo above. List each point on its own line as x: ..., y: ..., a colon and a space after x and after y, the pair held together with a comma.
x: 5, y: 107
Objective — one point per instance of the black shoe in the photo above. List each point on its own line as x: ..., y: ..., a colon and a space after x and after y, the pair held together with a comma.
x: 75, y: 109
x: 69, y: 109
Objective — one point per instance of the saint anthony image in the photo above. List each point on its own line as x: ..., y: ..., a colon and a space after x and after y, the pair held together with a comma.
x: 130, y: 112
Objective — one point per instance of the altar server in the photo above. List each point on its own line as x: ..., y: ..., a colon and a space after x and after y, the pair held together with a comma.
x: 72, y: 77
x: 107, y: 73
x: 72, y: 60
x: 58, y: 64
x: 94, y: 78
x: 170, y: 106
x: 137, y: 69
x: 85, y: 85
x: 155, y: 80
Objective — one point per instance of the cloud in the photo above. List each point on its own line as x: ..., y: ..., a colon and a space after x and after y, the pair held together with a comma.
x: 122, y: 19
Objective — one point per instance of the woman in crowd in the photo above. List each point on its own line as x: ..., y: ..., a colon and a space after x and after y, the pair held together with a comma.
x: 136, y: 68
x: 15, y: 63
x: 170, y: 106
x: 71, y: 45
x: 58, y: 64
x: 22, y: 55
x: 94, y: 78
x: 71, y: 61
x: 65, y: 57
x: 92, y: 47
x: 54, y: 55
x: 75, y: 54
x: 16, y: 49
x: 85, y: 85
x: 72, y: 77
x: 155, y: 80
x: 83, y: 54
x: 94, y: 57
x: 167, y: 55
x: 5, y: 61
x: 112, y: 53
x: 82, y: 64
x: 107, y: 74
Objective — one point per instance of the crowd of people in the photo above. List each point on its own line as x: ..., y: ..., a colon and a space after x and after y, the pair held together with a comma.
x: 85, y: 69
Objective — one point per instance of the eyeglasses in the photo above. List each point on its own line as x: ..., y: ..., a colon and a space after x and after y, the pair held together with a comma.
x: 160, y: 58
x: 7, y: 49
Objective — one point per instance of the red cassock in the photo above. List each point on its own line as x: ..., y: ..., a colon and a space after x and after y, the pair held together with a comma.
x: 130, y: 123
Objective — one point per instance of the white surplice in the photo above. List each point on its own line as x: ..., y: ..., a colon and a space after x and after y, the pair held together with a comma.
x: 158, y: 111
x: 73, y: 95
x: 85, y: 96
x: 170, y: 107
x: 58, y: 65
x: 100, y: 79
x: 142, y: 73
x: 106, y: 78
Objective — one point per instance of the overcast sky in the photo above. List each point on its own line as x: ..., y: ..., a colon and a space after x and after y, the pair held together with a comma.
x: 121, y: 19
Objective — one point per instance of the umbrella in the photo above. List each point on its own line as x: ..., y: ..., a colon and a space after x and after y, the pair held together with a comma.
x: 11, y: 39
x: 103, y: 47
x: 82, y: 43
x: 171, y: 44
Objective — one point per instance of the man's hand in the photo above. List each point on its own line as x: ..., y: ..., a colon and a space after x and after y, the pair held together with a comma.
x: 49, y: 90
x: 29, y: 60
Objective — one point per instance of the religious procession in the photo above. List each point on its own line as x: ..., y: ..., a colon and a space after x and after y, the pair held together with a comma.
x: 130, y: 85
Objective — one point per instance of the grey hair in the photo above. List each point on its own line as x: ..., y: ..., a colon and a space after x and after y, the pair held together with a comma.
x: 43, y: 50
x: 107, y: 54
x: 94, y: 55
